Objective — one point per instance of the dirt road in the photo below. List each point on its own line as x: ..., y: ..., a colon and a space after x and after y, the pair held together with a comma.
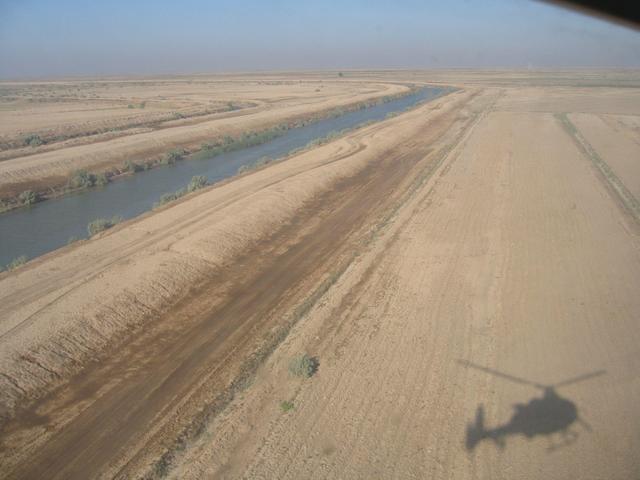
x: 150, y: 387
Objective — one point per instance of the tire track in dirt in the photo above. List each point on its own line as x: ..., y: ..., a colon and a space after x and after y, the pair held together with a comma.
x: 79, y: 343
x: 315, y: 412
x: 71, y: 452
x: 614, y: 185
x: 507, y: 264
x: 38, y: 289
x: 129, y: 249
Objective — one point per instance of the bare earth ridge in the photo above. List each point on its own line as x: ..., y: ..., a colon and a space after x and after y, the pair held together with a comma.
x: 177, y: 113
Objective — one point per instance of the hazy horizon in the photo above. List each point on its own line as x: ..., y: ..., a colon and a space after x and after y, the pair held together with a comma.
x: 70, y: 38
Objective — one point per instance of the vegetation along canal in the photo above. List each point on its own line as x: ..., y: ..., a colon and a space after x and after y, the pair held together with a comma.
x: 51, y: 224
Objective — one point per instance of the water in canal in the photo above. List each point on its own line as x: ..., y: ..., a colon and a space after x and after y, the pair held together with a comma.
x: 49, y: 225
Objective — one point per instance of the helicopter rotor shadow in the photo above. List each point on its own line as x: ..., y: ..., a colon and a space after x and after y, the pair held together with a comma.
x: 541, y: 416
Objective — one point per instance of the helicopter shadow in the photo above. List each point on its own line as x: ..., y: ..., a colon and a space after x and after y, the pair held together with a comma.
x: 550, y: 415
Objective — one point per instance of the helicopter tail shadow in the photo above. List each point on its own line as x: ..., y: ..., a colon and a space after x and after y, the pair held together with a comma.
x: 475, y: 431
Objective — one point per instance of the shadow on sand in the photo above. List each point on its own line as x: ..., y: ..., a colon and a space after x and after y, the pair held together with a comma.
x: 544, y: 415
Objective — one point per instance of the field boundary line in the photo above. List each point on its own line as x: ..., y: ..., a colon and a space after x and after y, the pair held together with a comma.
x: 613, y: 183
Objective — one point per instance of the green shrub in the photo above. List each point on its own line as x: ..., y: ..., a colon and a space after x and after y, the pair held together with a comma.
x: 132, y: 167
x: 210, y: 150
x: 28, y: 197
x: 286, y: 406
x: 82, y: 179
x: 173, y: 157
x: 17, y: 262
x: 102, y: 224
x: 33, y: 140
x: 166, y: 198
x: 170, y: 197
x: 101, y: 179
x: 303, y: 366
x: 197, y: 182
x: 247, y: 139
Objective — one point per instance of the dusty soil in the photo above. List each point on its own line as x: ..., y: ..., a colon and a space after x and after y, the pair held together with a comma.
x: 98, y: 125
x: 444, y: 265
x: 616, y: 142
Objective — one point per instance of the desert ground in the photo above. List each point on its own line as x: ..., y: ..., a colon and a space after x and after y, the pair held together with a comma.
x: 465, y: 274
x: 97, y: 125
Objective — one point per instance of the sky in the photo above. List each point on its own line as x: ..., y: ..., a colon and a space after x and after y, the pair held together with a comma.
x: 47, y: 38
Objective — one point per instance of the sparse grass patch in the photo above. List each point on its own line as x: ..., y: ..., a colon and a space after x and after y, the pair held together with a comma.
x: 197, y: 182
x: 262, y: 161
x: 102, y: 224
x: 81, y: 179
x: 28, y: 197
x: 173, y: 156
x: 244, y: 169
x: 17, y: 262
x: 286, y: 406
x: 303, y: 366
x: 101, y: 180
x: 132, y: 167
x: 247, y: 139
x: 168, y: 197
x: 33, y: 140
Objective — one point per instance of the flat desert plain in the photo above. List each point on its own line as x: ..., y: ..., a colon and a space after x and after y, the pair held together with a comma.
x: 48, y: 130
x: 464, y: 275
